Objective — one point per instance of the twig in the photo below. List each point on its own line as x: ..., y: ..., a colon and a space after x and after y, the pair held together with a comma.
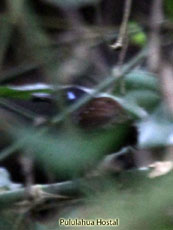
x: 156, y: 19
x: 27, y: 168
x: 156, y: 62
x: 68, y: 188
x: 18, y: 109
x: 166, y: 73
x: 16, y: 72
x: 120, y: 64
x: 123, y: 29
x: 122, y: 42
x: 10, y: 150
x: 161, y: 65
x: 6, y: 31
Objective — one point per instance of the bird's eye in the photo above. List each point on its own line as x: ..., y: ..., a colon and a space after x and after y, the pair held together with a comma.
x: 72, y: 94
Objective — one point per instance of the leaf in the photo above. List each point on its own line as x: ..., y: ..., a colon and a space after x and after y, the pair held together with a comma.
x: 71, y: 150
x: 147, y: 202
x: 160, y: 168
x: 138, y: 38
x: 146, y: 99
x: 5, y: 181
x: 169, y: 8
x: 155, y: 132
x: 10, y: 92
x: 138, y: 80
x: 135, y: 111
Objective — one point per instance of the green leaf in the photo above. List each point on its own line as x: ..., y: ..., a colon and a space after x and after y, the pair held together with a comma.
x: 147, y: 202
x: 169, y: 8
x: 132, y: 108
x: 139, y: 38
x: 9, y: 92
x: 138, y: 80
x: 71, y: 151
x: 146, y: 99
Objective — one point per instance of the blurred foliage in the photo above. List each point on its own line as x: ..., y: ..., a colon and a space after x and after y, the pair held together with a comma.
x: 141, y: 203
x: 142, y: 89
x: 71, y: 3
x: 62, y: 42
x: 140, y: 79
x: 81, y: 151
x: 159, y: 128
x: 169, y: 9
x: 138, y: 38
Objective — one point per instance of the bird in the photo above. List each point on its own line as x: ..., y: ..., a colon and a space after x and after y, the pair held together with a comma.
x: 101, y: 110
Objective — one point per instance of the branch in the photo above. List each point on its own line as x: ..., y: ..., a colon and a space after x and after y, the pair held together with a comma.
x: 156, y: 19
x: 68, y: 188
x: 123, y: 29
